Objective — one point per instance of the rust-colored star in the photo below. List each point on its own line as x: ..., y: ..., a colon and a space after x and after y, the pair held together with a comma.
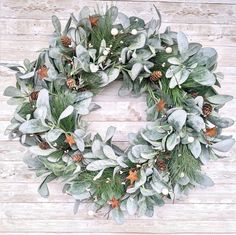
x: 93, y: 20
x: 114, y: 202
x: 160, y: 105
x: 211, y: 132
x: 43, y: 72
x: 133, y: 176
x: 70, y: 140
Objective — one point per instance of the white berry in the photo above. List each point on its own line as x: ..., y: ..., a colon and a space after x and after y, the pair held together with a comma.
x: 114, y: 31
x: 182, y: 175
x: 168, y: 50
x: 105, y: 52
x: 91, y: 213
x: 190, y: 139
x: 134, y: 31
x: 165, y: 191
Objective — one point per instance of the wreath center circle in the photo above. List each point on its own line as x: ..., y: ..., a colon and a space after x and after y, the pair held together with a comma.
x: 184, y: 131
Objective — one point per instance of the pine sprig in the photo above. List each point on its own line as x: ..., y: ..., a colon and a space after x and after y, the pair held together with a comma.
x: 182, y: 161
x: 59, y: 103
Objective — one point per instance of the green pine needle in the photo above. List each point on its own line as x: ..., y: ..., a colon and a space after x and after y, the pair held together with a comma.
x: 182, y: 161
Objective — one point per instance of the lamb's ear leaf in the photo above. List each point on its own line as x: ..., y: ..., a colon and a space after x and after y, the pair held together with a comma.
x: 182, y: 43
x: 224, y: 145
x: 177, y: 119
x: 14, y: 67
x: 110, y: 133
x: 132, y: 205
x: 118, y: 215
x: 33, y: 126
x: 76, y: 206
x: 67, y: 112
x: 220, y: 99
x: 205, y: 181
x: 57, y: 25
x: 12, y: 91
x: 159, y: 16
x: 43, y: 188
x: 112, y: 13
x: 138, y: 42
x: 65, y: 31
x: 195, y: 148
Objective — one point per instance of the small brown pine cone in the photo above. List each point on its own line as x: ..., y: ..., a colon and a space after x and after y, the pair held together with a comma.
x: 34, y: 95
x: 43, y: 72
x: 156, y: 75
x: 161, y: 165
x: 78, y: 157
x: 65, y: 41
x: 206, y: 109
x: 44, y: 145
x: 71, y: 83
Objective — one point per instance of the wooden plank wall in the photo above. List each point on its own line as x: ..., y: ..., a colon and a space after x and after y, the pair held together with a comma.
x: 24, y: 29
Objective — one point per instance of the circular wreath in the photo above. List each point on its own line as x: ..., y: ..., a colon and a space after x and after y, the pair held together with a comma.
x: 55, y: 91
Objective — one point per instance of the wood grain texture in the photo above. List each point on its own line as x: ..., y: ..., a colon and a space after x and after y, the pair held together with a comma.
x: 25, y: 27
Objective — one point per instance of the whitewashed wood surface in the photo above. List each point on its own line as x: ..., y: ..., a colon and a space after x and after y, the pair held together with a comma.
x: 24, y: 29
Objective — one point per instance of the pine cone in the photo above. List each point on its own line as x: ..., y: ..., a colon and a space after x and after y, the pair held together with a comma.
x: 34, y: 95
x: 206, y: 109
x: 43, y: 72
x: 156, y: 75
x: 71, y: 83
x: 44, y: 145
x: 65, y: 41
x: 161, y: 165
x: 78, y: 157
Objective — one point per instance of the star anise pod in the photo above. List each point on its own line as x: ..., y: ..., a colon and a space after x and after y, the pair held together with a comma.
x: 114, y: 202
x: 133, y: 176
x: 70, y: 140
x: 160, y: 105
x: 211, y: 132
x: 93, y: 20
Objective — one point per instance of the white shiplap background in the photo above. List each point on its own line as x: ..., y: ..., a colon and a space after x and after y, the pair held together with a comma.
x: 24, y: 29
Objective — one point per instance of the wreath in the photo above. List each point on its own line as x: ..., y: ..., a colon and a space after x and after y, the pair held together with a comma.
x: 164, y: 159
